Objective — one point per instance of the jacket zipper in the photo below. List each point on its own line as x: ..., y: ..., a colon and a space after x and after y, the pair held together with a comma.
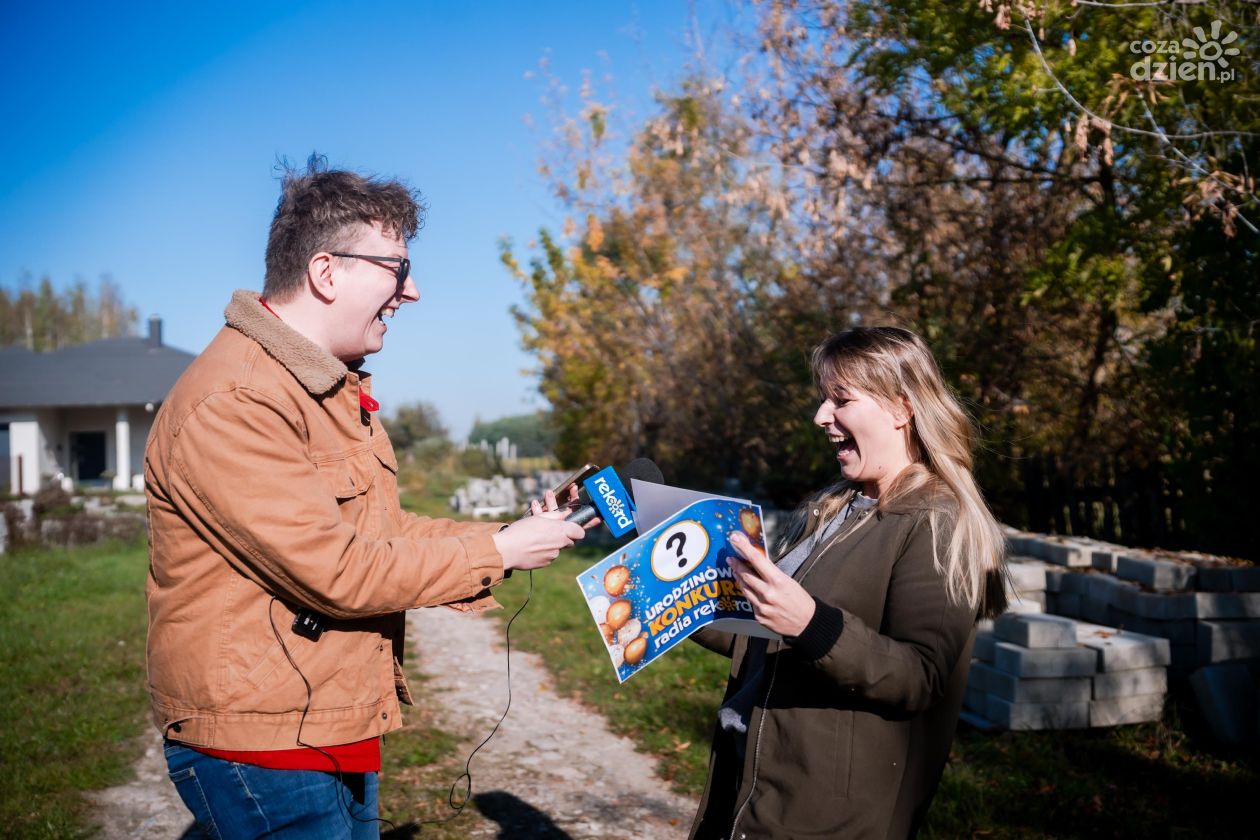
x: 765, y: 701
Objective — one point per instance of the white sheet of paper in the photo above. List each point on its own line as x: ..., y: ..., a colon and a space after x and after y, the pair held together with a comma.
x: 654, y: 503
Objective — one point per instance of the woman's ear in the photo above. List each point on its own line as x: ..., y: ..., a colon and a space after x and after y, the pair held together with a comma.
x: 904, y: 413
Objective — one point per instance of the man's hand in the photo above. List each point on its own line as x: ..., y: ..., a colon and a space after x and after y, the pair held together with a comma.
x: 778, y: 602
x: 536, y: 540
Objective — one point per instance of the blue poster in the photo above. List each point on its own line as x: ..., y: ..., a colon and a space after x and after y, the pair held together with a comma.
x: 652, y: 593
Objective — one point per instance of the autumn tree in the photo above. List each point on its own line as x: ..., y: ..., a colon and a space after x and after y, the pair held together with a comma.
x: 1075, y: 241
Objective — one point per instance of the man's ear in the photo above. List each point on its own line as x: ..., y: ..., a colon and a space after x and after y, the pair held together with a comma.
x: 319, y: 276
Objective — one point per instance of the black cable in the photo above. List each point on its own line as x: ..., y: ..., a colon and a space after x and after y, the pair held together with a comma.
x: 345, y: 805
x: 467, y: 774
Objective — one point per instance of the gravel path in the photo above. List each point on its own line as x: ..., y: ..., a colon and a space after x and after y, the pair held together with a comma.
x: 553, y: 770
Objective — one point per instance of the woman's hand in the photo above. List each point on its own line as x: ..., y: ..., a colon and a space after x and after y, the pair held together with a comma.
x: 778, y: 602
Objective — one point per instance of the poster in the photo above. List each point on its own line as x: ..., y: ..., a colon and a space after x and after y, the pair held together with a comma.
x: 650, y: 594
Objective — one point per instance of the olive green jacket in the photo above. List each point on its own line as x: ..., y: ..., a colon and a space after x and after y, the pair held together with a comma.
x: 854, y: 721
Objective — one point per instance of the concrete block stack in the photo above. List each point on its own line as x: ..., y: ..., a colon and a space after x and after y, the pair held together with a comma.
x: 1209, y: 613
x: 1025, y: 585
x: 1050, y: 672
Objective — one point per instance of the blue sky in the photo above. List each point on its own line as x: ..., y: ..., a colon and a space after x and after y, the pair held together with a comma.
x: 140, y: 142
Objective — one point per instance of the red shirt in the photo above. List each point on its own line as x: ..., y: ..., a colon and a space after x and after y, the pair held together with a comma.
x: 359, y: 757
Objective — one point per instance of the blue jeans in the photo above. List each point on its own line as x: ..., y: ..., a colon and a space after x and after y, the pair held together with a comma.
x: 231, y: 801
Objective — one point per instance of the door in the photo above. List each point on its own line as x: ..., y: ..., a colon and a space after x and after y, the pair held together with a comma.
x: 87, y: 455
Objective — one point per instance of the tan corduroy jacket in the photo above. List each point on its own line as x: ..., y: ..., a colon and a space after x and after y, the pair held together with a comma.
x: 270, y: 490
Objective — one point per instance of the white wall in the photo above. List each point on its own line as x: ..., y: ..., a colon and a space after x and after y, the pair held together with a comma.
x: 25, y: 447
x: 42, y: 438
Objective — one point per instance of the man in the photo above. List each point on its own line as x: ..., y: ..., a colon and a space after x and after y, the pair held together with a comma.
x: 280, y: 562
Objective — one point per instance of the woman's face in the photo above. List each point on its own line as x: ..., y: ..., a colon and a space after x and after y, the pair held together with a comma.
x: 870, y: 440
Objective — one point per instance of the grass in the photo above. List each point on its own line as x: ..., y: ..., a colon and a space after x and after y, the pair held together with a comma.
x: 1154, y: 780
x: 72, y: 627
x: 418, y: 764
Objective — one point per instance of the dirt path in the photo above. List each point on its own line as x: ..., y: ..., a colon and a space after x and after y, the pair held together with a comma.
x: 146, y: 809
x: 553, y: 771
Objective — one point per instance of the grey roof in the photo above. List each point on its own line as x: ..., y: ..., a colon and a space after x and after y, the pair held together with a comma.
x: 112, y: 371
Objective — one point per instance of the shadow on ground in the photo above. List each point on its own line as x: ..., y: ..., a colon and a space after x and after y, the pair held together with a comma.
x: 516, y: 819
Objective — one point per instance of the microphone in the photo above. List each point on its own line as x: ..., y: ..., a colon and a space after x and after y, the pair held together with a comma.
x: 609, y: 498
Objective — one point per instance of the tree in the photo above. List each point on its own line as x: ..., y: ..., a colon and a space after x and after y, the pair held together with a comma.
x: 975, y: 172
x: 45, y: 319
x: 413, y: 424
x: 531, y: 433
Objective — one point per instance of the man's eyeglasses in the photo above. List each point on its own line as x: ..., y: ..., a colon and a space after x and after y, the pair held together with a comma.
x: 400, y: 274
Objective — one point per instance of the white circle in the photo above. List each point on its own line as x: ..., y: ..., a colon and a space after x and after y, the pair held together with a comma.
x: 679, y: 549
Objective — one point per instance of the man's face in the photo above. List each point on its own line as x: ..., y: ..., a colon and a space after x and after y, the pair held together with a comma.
x: 367, y: 294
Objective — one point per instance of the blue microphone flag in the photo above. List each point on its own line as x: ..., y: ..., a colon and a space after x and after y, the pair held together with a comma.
x: 612, y: 501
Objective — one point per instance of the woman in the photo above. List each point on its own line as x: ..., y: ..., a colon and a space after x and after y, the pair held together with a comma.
x: 842, y: 728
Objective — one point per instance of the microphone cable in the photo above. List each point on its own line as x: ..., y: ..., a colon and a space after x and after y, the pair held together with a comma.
x: 467, y: 774
x: 344, y: 805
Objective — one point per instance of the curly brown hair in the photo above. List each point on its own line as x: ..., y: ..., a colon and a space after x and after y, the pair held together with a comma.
x: 321, y: 209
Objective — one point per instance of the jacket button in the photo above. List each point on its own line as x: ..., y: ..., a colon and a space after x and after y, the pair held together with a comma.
x: 384, y: 715
x: 485, y: 581
x: 175, y: 727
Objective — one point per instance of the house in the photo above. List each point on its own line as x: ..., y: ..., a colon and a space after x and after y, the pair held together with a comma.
x: 82, y: 414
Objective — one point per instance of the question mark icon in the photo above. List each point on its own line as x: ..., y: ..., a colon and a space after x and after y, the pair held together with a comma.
x: 681, y: 539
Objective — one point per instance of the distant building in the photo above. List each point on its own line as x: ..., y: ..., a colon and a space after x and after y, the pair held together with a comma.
x: 82, y: 414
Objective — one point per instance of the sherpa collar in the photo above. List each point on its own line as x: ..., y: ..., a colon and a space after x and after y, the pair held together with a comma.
x: 317, y: 369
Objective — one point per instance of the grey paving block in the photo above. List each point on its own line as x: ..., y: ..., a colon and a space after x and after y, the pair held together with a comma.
x: 1074, y: 583
x: 1036, y: 631
x: 1162, y: 575
x: 1060, y: 551
x: 1017, y: 690
x: 1222, y: 641
x: 1178, y: 631
x: 1023, y: 605
x: 975, y: 699
x: 1215, y: 579
x: 1094, y: 611
x: 1117, y: 711
x: 1111, y: 590
x: 1227, y: 699
x: 1247, y: 579
x: 1128, y: 683
x: 1226, y: 605
x: 983, y: 648
x: 1120, y: 650
x: 984, y: 625
x: 1037, y: 715
x: 1068, y: 604
x: 1167, y: 606
x: 1048, y: 662
x: 1017, y: 544
x: 1103, y: 558
x: 1026, y: 575
x: 1053, y: 578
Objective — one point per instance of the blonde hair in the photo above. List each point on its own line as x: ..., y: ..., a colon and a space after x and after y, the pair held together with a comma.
x: 896, y: 368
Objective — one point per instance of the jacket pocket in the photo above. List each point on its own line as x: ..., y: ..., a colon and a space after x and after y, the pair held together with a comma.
x: 350, y: 481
